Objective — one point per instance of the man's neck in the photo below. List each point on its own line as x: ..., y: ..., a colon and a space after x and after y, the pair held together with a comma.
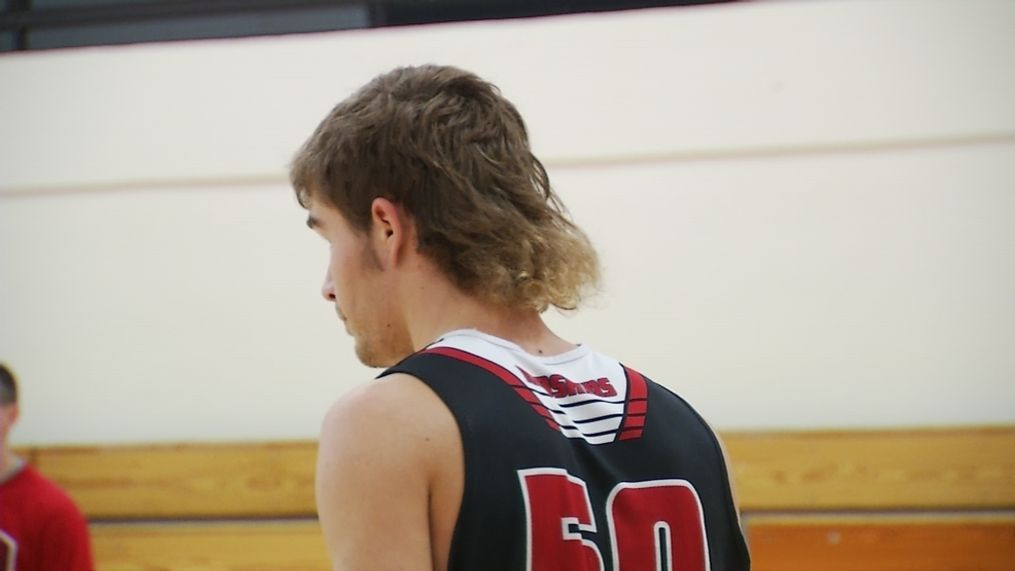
x: 458, y: 311
x: 432, y: 305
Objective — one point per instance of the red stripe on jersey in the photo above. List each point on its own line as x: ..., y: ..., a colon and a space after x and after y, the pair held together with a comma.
x: 490, y: 366
x: 635, y: 421
x: 527, y: 396
x: 501, y: 373
x: 630, y: 434
x: 637, y: 388
x: 637, y: 405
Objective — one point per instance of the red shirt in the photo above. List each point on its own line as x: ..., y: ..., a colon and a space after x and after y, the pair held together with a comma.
x: 40, y: 527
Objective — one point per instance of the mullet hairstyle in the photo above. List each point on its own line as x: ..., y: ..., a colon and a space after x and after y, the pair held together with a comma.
x: 454, y: 154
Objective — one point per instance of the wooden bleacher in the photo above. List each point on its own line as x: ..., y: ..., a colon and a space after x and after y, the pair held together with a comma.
x: 913, y: 500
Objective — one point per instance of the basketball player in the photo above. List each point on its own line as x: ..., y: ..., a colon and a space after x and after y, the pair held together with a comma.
x: 489, y: 443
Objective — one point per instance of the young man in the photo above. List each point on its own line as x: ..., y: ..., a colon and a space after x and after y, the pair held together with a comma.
x: 489, y: 443
x: 40, y: 527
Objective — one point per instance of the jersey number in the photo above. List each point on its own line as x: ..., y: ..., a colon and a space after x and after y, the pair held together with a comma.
x: 654, y: 526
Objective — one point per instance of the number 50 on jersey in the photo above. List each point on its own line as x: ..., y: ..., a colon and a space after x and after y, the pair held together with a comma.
x: 653, y: 526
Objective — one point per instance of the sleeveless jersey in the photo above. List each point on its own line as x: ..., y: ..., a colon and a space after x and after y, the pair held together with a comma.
x: 577, y: 463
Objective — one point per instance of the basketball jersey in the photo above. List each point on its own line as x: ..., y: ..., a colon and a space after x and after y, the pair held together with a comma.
x: 576, y: 462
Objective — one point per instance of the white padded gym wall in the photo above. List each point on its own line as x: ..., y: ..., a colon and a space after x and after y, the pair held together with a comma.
x: 805, y: 210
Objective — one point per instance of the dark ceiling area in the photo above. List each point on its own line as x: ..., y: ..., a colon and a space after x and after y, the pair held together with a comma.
x: 50, y: 24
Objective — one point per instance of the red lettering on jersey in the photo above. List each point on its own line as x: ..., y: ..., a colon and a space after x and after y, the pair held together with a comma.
x: 605, y: 388
x: 558, y: 511
x: 657, y: 525
x: 559, y: 386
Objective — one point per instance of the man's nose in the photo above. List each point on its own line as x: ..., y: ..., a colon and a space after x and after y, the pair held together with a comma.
x: 328, y: 288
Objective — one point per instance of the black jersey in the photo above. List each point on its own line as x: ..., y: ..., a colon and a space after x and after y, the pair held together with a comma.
x: 578, y: 463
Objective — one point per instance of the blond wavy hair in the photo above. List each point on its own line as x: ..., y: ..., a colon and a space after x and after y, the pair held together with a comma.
x: 446, y: 146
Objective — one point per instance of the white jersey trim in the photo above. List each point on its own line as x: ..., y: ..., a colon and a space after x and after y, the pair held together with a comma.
x: 585, y: 392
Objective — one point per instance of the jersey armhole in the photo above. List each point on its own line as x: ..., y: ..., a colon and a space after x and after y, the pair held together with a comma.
x: 407, y: 367
x: 720, y: 449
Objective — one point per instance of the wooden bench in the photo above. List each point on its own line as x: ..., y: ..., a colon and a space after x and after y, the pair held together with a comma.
x: 913, y: 500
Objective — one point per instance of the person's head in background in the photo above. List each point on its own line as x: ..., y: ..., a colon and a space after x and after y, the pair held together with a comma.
x: 8, y: 412
x: 434, y: 159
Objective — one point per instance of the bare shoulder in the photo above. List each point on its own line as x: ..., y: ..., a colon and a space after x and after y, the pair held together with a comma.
x: 381, y: 455
x: 397, y: 408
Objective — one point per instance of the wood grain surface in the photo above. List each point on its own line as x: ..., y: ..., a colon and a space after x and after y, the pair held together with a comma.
x: 187, y: 481
x: 269, y: 546
x: 870, y: 543
x: 968, y: 468
x: 855, y: 543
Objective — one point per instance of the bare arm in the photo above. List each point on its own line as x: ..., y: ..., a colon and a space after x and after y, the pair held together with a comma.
x: 376, y: 465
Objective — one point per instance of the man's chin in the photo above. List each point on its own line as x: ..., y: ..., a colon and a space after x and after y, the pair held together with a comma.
x: 371, y: 356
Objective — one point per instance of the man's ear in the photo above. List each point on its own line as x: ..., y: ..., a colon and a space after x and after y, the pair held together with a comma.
x: 389, y: 231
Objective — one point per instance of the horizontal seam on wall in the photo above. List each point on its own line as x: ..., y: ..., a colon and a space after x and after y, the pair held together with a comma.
x: 565, y: 163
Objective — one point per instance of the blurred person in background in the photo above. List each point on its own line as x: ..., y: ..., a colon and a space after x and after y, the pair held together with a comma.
x: 40, y: 527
